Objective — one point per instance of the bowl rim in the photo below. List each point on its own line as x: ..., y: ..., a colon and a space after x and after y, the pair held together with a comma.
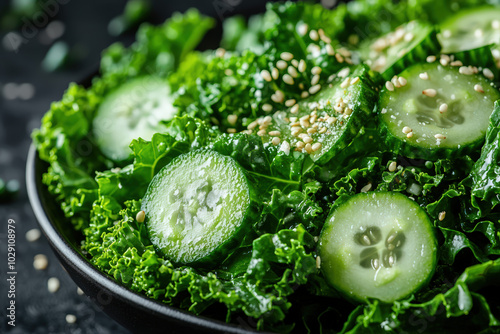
x: 63, y: 249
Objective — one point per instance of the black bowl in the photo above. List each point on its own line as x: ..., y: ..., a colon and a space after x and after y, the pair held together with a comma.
x: 133, y: 311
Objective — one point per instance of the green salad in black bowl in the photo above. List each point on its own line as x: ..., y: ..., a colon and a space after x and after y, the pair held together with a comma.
x: 323, y: 171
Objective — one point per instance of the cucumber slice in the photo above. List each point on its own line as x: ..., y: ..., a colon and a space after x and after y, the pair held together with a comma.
x: 378, y: 245
x: 325, y: 123
x: 198, y: 207
x: 134, y: 110
x: 440, y: 112
x: 406, y: 45
x: 470, y: 29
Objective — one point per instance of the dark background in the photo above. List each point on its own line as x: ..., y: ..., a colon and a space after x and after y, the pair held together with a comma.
x: 85, y: 32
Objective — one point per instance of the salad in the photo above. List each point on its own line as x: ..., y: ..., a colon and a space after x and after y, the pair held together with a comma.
x: 324, y: 170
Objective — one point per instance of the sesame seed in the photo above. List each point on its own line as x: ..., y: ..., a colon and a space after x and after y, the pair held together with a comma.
x: 316, y: 146
x: 345, y: 83
x: 314, y: 89
x: 267, y: 107
x: 430, y: 59
x: 302, y: 66
x: 296, y: 131
x: 307, y: 139
x: 293, y: 119
x: 465, y: 70
x: 316, y: 70
x: 354, y: 81
x: 339, y: 57
x: 231, y: 130
x: 278, y: 96
x: 478, y: 33
x: 295, y: 62
x: 495, y: 24
x: 325, y: 38
x: 344, y: 72
x: 429, y: 92
x: 274, y: 133
x: 402, y: 81
x: 389, y: 86
x: 304, y: 94
x: 293, y: 71
x: 140, y: 217
x: 287, y: 56
x: 40, y: 262
x: 266, y: 75
x: 442, y: 215
x: 366, y: 188
x: 79, y: 291
x: 300, y: 144
x: 70, y: 318
x: 392, y: 166
x: 287, y: 78
x: 290, y: 102
x: 456, y: 63
x: 395, y: 81
x: 439, y: 136
x: 383, y: 111
x: 267, y: 120
x: 311, y: 131
x: 443, y: 108
x: 318, y: 262
x: 424, y: 76
x: 322, y: 130
x: 313, y: 34
x: 488, y: 73
x: 302, y: 29
x: 330, y: 50
x: 232, y: 119
x: 308, y: 148
x: 276, y: 141
x: 275, y: 73
x: 53, y: 284
x: 252, y: 125
x: 407, y: 130
x: 262, y: 132
x: 295, y: 109
x: 281, y: 64
x: 478, y: 88
x: 444, y: 61
x: 331, y: 120
x: 228, y: 72
x: 33, y: 235
x: 315, y: 80
x: 409, y: 134
x: 305, y: 124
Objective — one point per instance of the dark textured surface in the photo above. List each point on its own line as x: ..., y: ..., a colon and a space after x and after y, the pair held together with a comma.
x: 38, y: 310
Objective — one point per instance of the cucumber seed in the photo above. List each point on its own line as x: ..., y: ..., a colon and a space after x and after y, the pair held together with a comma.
x: 430, y: 92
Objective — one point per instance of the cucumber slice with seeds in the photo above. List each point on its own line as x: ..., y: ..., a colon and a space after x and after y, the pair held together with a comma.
x: 198, y: 208
x: 406, y: 45
x: 470, y: 29
x: 134, y: 110
x: 325, y: 123
x: 440, y: 112
x: 378, y: 245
